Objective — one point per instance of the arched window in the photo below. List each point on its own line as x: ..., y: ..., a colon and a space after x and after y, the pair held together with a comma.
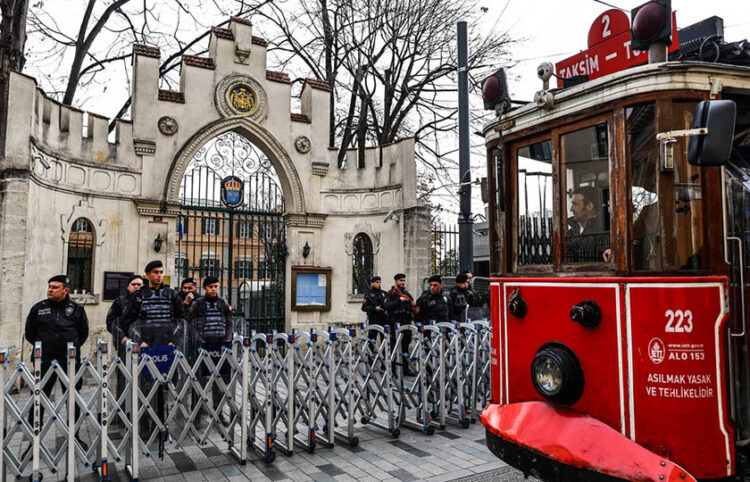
x: 361, y: 263
x: 80, y: 255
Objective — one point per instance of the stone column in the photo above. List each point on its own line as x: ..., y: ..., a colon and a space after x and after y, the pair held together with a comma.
x: 416, y: 222
x: 14, y: 198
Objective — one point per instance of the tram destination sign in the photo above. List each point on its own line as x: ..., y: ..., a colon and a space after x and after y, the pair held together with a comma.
x: 608, y: 49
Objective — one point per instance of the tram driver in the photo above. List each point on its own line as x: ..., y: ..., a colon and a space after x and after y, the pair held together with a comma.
x: 586, y: 239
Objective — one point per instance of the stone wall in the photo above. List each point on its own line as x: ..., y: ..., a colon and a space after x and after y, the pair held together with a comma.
x: 57, y: 171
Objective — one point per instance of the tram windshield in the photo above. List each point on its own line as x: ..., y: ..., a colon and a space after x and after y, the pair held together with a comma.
x: 535, y: 204
x: 566, y: 217
x: 585, y: 169
x: 644, y: 162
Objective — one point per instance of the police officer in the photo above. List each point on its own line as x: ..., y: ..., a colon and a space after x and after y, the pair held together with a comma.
x: 153, y: 312
x: 374, y: 305
x: 118, y: 331
x: 154, y: 315
x: 114, y: 315
x: 188, y: 291
x: 55, y: 322
x: 400, y: 306
x: 213, y: 324
x: 460, y: 298
x: 432, y: 304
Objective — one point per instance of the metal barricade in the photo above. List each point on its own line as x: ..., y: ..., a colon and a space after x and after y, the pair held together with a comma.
x: 263, y: 392
x: 412, y: 392
x: 305, y: 400
x: 373, y: 380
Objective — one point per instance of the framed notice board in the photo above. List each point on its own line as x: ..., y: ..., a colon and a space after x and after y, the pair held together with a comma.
x: 115, y: 283
x: 311, y: 288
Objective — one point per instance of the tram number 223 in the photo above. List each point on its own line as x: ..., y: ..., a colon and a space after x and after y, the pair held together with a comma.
x: 678, y: 321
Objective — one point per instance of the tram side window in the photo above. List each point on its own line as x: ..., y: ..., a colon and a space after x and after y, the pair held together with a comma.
x: 585, y: 177
x: 535, y: 204
x: 687, y: 218
x: 644, y: 162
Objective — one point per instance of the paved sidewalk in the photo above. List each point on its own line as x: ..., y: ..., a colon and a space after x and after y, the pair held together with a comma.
x: 452, y: 454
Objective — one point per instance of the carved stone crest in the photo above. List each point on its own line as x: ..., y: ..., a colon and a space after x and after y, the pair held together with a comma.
x: 243, y: 98
x: 239, y: 94
x: 168, y: 125
x: 302, y: 144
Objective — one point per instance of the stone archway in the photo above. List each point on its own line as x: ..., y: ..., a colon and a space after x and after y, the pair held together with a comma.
x: 259, y: 136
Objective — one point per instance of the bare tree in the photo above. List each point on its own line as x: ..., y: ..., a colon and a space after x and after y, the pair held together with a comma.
x: 71, y: 58
x: 392, y: 66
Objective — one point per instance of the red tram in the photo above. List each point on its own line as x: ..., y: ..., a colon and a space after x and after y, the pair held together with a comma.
x: 620, y: 232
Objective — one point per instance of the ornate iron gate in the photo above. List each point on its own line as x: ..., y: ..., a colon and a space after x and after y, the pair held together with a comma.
x: 232, y: 227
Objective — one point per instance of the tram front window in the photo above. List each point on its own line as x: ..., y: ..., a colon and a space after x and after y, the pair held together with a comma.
x: 644, y: 162
x: 535, y: 204
x: 585, y: 169
x: 687, y: 217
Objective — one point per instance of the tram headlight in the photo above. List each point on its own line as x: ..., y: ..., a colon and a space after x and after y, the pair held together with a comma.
x: 556, y: 374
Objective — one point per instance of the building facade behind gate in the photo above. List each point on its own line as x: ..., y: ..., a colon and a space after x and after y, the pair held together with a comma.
x: 70, y: 201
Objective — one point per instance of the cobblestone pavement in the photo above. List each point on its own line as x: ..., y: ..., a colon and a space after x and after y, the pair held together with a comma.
x: 452, y: 454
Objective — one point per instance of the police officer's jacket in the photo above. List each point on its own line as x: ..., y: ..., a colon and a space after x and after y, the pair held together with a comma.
x: 113, y: 318
x: 153, y: 315
x: 374, y: 298
x: 56, y: 324
x: 432, y: 307
x: 211, y: 319
x: 460, y: 299
x: 399, y: 306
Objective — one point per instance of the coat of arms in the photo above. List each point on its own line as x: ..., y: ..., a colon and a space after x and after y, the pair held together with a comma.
x: 243, y: 98
x: 232, y: 189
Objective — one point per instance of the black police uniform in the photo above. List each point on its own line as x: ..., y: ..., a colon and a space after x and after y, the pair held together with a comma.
x: 153, y: 316
x: 432, y: 307
x: 114, y: 316
x: 375, y: 298
x: 211, y: 319
x: 212, y: 323
x: 401, y: 311
x: 56, y: 324
x: 113, y: 319
x: 460, y: 299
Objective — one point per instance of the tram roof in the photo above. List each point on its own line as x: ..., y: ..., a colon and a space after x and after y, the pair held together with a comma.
x: 665, y: 76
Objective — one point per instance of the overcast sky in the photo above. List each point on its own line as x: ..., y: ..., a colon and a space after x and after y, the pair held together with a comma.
x: 544, y: 30
x: 556, y: 29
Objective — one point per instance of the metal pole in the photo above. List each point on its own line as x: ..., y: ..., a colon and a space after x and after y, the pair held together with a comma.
x: 71, y: 369
x: 245, y: 387
x: 36, y: 473
x: 104, y: 369
x: 134, y: 350
x: 3, y: 364
x: 465, y: 220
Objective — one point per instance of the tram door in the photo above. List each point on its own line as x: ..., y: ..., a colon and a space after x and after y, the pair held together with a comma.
x: 231, y: 226
x: 737, y: 192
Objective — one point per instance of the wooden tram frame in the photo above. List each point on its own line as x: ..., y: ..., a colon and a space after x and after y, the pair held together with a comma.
x: 502, y: 260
